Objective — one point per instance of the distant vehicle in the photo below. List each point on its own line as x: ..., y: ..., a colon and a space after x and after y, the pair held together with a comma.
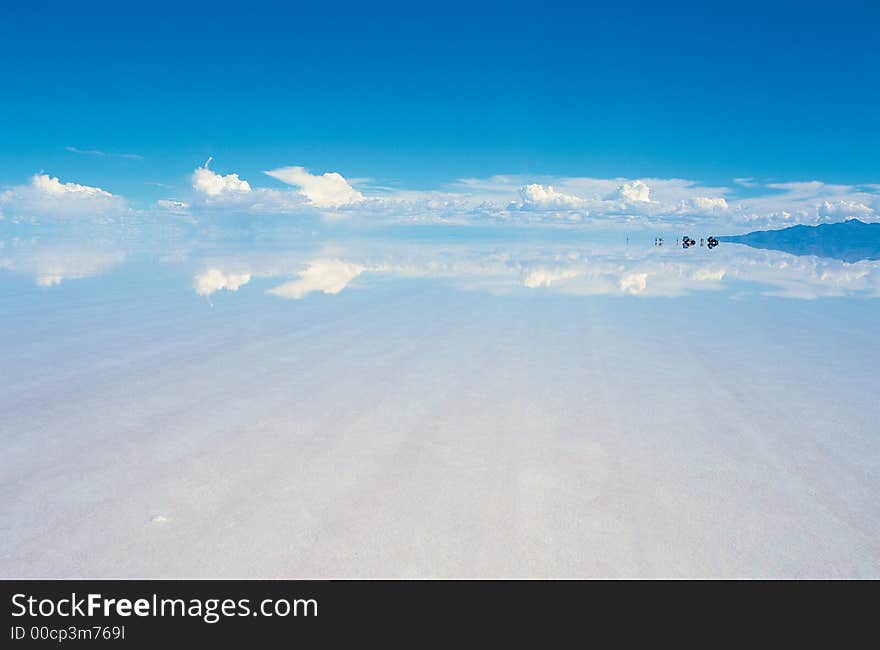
x: 687, y: 242
x: 712, y: 242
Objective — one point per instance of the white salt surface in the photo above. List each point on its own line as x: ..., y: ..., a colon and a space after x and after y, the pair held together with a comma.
x: 412, y: 430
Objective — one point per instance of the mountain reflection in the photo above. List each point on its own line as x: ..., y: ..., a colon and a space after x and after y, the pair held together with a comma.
x: 850, y: 241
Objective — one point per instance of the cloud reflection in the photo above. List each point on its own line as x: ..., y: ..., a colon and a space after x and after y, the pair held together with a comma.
x: 327, y: 276
x: 50, y: 265
x: 213, y: 280
x: 583, y: 270
x: 579, y: 268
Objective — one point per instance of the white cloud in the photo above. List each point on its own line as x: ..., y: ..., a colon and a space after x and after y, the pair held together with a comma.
x: 709, y: 203
x: 539, y: 197
x: 329, y: 276
x: 705, y: 205
x: 617, y: 203
x: 844, y: 209
x: 215, y: 185
x: 213, y: 280
x: 329, y: 190
x: 809, y: 202
x: 52, y: 186
x: 48, y: 197
x: 610, y: 203
x: 634, y: 192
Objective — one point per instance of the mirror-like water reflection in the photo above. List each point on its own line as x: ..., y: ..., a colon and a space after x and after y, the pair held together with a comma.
x: 491, y: 405
x: 584, y: 267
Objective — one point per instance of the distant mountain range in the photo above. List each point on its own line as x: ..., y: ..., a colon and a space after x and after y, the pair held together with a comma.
x: 849, y: 241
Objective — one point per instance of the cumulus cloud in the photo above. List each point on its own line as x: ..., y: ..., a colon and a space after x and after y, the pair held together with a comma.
x: 329, y: 190
x: 634, y: 192
x: 213, y: 280
x: 328, y: 276
x: 212, y: 184
x: 616, y: 203
x: 47, y: 197
x: 703, y: 205
x: 540, y: 197
x: 52, y: 186
x: 708, y: 203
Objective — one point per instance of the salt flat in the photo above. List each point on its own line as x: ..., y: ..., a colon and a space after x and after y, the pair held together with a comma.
x: 434, y: 424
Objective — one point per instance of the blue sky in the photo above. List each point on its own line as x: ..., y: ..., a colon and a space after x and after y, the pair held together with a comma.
x: 757, y: 90
x: 415, y: 97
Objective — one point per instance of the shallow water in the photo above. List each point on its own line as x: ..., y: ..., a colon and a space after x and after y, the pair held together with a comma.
x: 434, y: 405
